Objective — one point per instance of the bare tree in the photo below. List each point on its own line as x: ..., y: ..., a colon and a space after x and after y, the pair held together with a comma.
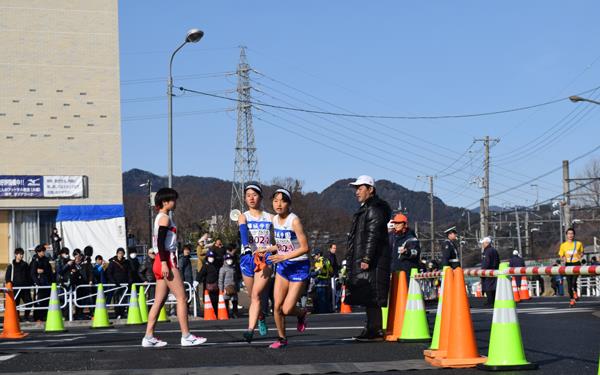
x: 589, y: 194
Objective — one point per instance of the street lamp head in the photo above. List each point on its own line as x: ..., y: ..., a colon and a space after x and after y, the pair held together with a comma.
x: 575, y: 98
x: 194, y: 35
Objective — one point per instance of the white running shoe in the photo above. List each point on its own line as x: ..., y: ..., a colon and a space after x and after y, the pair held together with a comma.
x: 153, y: 342
x: 192, y: 340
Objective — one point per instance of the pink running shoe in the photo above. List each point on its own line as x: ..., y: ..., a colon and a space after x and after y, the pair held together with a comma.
x: 280, y: 343
x: 301, y: 327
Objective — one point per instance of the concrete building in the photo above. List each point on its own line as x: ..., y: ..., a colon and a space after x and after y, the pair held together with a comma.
x: 59, y: 113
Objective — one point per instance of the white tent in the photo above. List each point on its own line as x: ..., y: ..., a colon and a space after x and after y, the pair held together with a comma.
x: 100, y: 226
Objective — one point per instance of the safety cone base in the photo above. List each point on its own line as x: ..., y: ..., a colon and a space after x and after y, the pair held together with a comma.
x: 459, y: 362
x: 528, y: 366
x: 431, y: 354
x: 55, y: 331
x: 106, y: 327
x: 15, y: 335
x: 414, y: 340
x: 391, y: 338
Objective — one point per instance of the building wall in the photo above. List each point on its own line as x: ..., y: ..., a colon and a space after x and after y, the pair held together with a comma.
x: 4, y: 237
x: 59, y: 95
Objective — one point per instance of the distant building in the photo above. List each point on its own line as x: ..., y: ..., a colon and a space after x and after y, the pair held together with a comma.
x: 60, y: 132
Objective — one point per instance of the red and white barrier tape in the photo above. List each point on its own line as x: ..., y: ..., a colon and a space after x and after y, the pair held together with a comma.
x: 517, y: 271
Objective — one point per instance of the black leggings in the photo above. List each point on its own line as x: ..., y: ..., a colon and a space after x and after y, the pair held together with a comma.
x: 572, y: 280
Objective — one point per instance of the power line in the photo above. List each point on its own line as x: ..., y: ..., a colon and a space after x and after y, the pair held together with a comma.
x: 340, y: 114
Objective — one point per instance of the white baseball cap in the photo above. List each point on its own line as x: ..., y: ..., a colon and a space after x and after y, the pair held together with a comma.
x: 516, y: 252
x: 486, y: 240
x: 363, y: 180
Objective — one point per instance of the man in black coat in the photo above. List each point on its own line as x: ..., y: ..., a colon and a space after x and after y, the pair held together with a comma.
x: 489, y: 261
x: 516, y: 261
x: 18, y: 274
x: 119, y: 273
x: 406, y: 250
x: 41, y: 275
x: 368, y: 257
x: 449, y: 251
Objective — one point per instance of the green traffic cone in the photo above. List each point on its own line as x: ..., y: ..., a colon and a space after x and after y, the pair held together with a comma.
x: 415, y: 327
x: 133, y: 313
x: 54, y: 319
x: 435, y: 341
x: 162, y: 317
x: 384, y: 317
x: 506, y: 351
x: 100, y: 313
x: 143, y: 304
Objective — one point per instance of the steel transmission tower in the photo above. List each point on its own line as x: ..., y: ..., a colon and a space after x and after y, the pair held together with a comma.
x: 245, y: 167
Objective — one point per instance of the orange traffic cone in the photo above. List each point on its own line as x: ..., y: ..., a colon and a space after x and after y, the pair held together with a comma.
x: 398, y: 297
x: 442, y: 349
x: 516, y: 294
x: 11, y: 328
x: 462, y: 347
x: 344, y: 308
x: 222, y: 313
x: 524, y: 292
x: 209, y: 311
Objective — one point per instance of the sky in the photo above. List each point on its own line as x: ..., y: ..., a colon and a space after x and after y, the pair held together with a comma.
x: 390, y: 58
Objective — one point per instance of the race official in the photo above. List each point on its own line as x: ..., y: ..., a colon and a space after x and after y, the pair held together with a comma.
x: 449, y: 250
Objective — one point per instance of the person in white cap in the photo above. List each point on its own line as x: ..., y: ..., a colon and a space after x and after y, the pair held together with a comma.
x: 368, y: 257
x: 490, y: 261
x: 516, y: 261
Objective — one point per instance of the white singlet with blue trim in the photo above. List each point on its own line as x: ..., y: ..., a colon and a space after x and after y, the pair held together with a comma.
x: 285, y: 237
x: 259, y: 229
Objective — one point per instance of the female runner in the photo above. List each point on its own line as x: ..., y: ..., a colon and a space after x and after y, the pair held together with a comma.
x: 255, y: 233
x: 167, y: 275
x: 292, y: 265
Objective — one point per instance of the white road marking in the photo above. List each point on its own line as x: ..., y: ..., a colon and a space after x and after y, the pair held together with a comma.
x: 7, y: 357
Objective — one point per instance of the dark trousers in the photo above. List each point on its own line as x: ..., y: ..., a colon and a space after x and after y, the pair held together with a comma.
x: 491, y: 297
x: 374, y: 319
x: 41, y: 314
x: 572, y: 280
x: 116, y: 298
x: 24, y: 296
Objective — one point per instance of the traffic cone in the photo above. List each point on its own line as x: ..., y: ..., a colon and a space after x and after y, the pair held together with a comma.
x: 143, y: 304
x: 100, y: 319
x: 524, y: 292
x: 462, y: 347
x: 11, y: 329
x: 54, y: 319
x: 397, y: 307
x: 209, y: 311
x: 384, y: 318
x: 515, y: 289
x: 415, y: 327
x: 439, y: 349
x: 133, y: 313
x: 222, y: 313
x: 162, y: 317
x: 479, y: 292
x: 344, y: 308
x: 506, y: 351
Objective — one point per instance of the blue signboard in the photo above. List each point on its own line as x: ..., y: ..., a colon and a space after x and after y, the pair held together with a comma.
x: 21, y: 187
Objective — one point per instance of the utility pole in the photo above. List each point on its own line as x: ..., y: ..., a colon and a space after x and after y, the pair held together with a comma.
x: 518, y: 231
x: 482, y: 224
x: 469, y: 220
x: 485, y: 215
x: 245, y: 167
x: 527, y: 244
x: 431, y: 214
x: 567, y: 196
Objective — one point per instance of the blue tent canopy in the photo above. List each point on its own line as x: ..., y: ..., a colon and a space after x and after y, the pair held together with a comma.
x: 90, y: 212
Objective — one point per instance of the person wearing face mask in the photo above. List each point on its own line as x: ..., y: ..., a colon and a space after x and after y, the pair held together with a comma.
x: 227, y: 285
x: 134, y: 265
x: 60, y: 264
x: 209, y: 276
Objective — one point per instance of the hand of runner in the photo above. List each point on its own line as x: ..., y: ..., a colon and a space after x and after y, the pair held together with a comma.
x: 164, y: 270
x: 277, y: 258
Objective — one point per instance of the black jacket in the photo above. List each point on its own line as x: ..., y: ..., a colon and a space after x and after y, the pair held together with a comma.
x: 118, y: 272
x: 450, y: 255
x: 78, y: 274
x: 368, y: 243
x: 42, y: 279
x: 411, y: 257
x: 489, y: 261
x: 134, y: 266
x: 185, y: 267
x: 18, y: 274
x: 209, y: 274
x: 516, y: 261
x: 145, y: 272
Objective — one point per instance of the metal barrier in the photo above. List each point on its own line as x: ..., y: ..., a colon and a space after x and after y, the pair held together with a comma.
x: 588, y: 286
x: 70, y: 299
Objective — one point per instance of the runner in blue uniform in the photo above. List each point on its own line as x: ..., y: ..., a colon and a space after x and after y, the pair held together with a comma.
x: 293, y: 265
x: 255, y: 232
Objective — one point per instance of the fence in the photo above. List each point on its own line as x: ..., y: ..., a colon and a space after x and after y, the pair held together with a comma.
x: 84, y: 296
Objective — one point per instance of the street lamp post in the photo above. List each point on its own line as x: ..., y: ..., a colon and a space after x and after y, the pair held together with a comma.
x: 193, y: 36
x: 148, y: 184
x: 575, y: 99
